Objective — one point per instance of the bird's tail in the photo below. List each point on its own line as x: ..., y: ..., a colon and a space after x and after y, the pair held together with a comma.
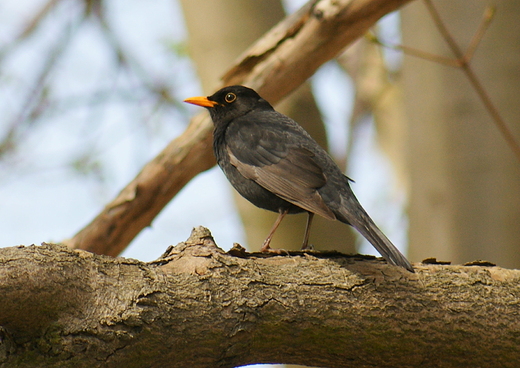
x: 352, y: 213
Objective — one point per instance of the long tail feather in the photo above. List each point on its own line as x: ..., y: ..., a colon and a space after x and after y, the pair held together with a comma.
x: 352, y: 213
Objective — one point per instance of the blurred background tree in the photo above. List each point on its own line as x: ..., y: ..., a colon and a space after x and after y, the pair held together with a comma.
x: 464, y: 180
x: 239, y: 24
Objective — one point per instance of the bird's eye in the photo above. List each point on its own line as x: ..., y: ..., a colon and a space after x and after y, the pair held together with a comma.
x: 230, y: 97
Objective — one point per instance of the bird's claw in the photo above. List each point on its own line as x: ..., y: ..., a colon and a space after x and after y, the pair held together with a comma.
x: 268, y: 249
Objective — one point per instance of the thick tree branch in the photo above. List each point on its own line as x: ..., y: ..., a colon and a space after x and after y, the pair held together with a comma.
x: 200, y: 307
x: 275, y: 65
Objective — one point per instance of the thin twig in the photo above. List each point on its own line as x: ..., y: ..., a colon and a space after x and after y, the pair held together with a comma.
x: 35, y: 22
x: 474, y: 80
x: 35, y: 99
x: 462, y: 61
x: 415, y: 52
x: 31, y: 26
x: 489, y: 13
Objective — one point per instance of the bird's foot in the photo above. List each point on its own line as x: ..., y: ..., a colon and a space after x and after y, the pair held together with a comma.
x: 307, y: 247
x: 268, y: 249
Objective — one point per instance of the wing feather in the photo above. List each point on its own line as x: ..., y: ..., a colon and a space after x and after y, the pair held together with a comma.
x: 295, y: 177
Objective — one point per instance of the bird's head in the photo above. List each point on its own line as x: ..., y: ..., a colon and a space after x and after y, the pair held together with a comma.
x: 230, y: 103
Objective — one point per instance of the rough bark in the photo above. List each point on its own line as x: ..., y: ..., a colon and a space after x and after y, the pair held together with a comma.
x: 282, y: 60
x: 200, y: 307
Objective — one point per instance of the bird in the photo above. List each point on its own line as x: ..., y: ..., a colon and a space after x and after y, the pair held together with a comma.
x: 276, y: 165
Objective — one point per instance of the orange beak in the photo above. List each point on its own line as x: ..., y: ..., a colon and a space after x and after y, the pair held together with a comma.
x: 201, y: 101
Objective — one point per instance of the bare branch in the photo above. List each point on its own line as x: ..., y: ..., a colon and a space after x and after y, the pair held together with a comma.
x: 200, y: 307
x: 487, y: 18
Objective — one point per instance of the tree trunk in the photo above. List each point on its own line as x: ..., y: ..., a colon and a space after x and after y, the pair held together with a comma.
x: 464, y: 179
x: 378, y: 95
x: 200, y: 307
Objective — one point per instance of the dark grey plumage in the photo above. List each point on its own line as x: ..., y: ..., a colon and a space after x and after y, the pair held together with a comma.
x: 276, y: 165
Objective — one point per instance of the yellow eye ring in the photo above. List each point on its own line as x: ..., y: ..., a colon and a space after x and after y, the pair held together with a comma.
x: 230, y: 97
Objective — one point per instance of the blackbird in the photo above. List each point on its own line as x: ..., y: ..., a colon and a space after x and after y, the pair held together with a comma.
x: 276, y: 165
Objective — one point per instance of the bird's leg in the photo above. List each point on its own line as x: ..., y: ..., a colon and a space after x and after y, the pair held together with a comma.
x: 305, y: 244
x: 266, y: 246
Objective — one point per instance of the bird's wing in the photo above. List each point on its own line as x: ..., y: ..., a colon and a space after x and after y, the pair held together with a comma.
x: 284, y: 169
